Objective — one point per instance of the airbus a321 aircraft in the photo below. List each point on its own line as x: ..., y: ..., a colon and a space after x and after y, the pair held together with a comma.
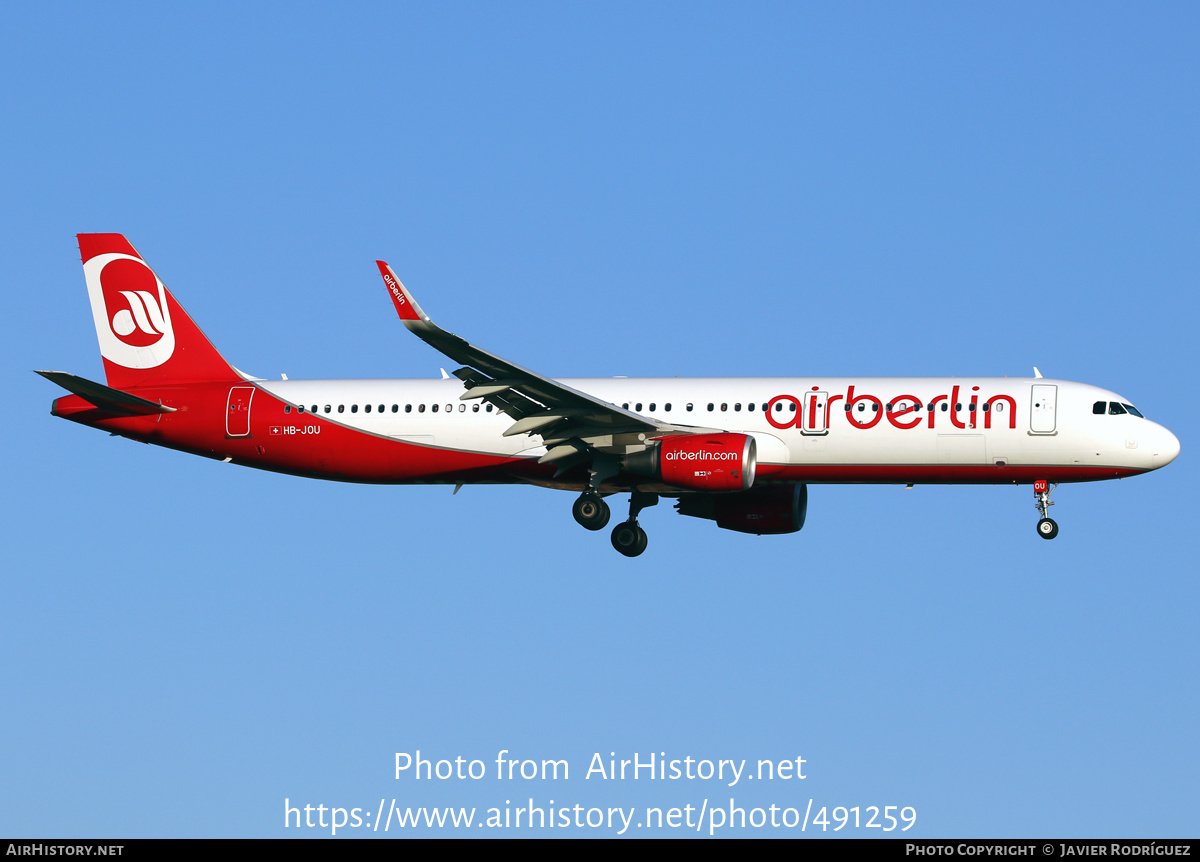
x: 737, y: 451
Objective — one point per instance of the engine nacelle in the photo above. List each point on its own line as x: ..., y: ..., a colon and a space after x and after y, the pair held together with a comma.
x: 768, y: 510
x: 699, y: 462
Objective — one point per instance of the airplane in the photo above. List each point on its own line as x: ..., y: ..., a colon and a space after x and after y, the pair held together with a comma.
x: 737, y: 451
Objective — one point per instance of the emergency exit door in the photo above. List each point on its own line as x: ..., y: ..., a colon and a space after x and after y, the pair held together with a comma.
x: 813, y: 413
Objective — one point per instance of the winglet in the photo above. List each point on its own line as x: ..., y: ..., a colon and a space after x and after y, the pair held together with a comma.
x: 406, y: 306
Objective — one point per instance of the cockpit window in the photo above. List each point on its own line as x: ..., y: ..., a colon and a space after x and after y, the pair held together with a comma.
x: 1100, y: 408
x: 1133, y: 410
x: 1115, y: 409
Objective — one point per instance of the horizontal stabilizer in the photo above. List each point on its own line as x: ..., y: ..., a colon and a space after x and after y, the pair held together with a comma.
x: 105, y: 397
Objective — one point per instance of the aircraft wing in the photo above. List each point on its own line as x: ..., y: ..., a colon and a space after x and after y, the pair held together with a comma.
x: 570, y: 422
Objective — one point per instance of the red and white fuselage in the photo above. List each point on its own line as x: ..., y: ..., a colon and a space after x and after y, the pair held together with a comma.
x: 439, y: 437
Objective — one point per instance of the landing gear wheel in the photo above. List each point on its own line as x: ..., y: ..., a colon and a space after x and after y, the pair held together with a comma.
x: 591, y: 512
x: 1047, y: 529
x: 629, y: 539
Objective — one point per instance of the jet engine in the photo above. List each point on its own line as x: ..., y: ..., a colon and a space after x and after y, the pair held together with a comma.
x: 767, y: 510
x: 698, y: 462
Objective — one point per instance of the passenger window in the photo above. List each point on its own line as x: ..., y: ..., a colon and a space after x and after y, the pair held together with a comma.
x: 737, y: 408
x: 1099, y: 408
x: 710, y: 407
x: 408, y: 408
x: 287, y: 408
x: 999, y: 406
x: 328, y: 408
x: 433, y: 408
x: 300, y: 408
x: 945, y: 406
x: 638, y: 407
x: 689, y: 408
x: 353, y: 408
x: 724, y: 408
x: 652, y: 407
x: 667, y: 406
x: 874, y: 408
x: 366, y: 408
x: 625, y: 406
x: 475, y: 407
x: 971, y: 407
x: 489, y: 408
x: 341, y: 408
x: 986, y: 407
x: 420, y: 408
x: 462, y: 408
x: 395, y: 408
x: 1115, y: 409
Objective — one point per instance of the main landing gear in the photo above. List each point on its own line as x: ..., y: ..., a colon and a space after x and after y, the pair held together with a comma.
x: 590, y: 510
x: 592, y: 513
x: 1046, y: 527
x: 628, y: 537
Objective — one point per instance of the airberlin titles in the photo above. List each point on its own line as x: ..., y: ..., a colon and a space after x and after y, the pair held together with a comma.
x: 812, y: 412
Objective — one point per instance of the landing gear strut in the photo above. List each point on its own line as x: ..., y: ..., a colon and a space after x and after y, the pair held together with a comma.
x: 628, y: 537
x: 1046, y: 527
x: 590, y: 511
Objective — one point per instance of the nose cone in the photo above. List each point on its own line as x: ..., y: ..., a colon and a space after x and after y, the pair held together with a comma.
x: 1166, y: 448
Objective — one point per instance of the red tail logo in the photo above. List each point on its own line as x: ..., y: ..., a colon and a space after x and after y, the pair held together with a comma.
x: 137, y: 317
x: 145, y: 337
x: 129, y: 305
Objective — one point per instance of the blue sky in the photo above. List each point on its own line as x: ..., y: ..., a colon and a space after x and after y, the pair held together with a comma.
x: 593, y: 190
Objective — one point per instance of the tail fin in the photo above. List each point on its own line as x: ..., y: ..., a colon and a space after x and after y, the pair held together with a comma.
x: 146, y: 338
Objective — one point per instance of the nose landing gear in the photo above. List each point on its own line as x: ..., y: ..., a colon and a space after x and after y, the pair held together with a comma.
x: 1046, y: 527
x: 628, y: 537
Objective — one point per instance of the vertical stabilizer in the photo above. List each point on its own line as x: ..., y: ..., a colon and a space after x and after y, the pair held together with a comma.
x: 146, y: 338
